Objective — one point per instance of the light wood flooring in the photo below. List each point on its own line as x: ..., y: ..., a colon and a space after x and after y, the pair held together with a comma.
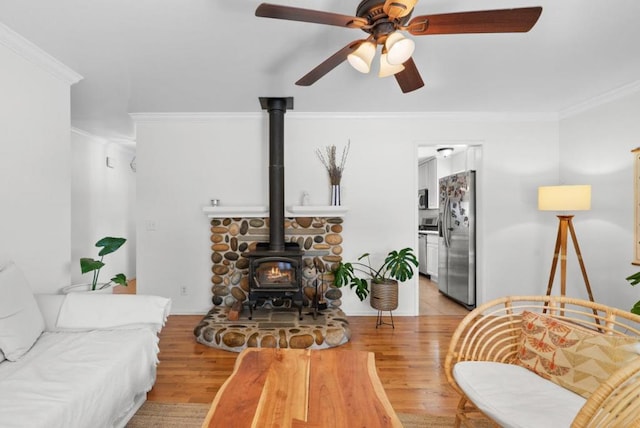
x: 432, y: 302
x: 409, y: 358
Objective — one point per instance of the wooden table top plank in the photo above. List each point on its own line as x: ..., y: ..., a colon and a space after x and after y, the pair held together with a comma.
x: 231, y: 409
x: 285, y: 392
x: 345, y: 387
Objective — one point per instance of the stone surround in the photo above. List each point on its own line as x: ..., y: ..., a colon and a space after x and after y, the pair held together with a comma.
x: 319, y: 237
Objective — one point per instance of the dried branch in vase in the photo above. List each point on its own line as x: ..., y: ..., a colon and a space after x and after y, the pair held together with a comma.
x: 329, y: 160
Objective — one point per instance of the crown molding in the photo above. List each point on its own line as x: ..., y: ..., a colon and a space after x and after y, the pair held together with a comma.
x: 122, y: 143
x: 189, y: 117
x: 87, y: 134
x: 599, y: 100
x: 37, y: 56
x: 440, y: 116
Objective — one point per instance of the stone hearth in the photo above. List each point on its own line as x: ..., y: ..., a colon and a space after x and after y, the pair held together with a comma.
x: 269, y: 328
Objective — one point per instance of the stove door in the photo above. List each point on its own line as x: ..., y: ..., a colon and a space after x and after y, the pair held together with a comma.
x: 275, y: 273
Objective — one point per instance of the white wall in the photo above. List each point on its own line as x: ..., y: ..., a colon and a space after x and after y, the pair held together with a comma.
x: 34, y: 169
x: 186, y: 160
x: 102, y: 204
x: 595, y: 148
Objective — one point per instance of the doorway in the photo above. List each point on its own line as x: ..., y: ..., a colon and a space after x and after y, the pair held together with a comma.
x: 434, y: 161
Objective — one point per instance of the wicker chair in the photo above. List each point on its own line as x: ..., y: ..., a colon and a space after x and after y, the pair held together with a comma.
x: 493, y: 331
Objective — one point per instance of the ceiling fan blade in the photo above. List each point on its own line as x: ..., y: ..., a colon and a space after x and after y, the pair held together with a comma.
x: 398, y: 8
x: 266, y: 10
x: 518, y: 20
x: 329, y: 64
x: 409, y: 79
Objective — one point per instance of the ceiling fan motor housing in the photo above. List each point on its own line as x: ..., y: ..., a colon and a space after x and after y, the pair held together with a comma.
x: 380, y: 25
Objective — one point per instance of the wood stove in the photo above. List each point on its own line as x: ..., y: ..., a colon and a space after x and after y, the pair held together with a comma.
x: 275, y: 276
x: 275, y: 267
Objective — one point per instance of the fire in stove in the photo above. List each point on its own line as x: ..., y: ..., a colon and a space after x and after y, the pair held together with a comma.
x: 275, y: 273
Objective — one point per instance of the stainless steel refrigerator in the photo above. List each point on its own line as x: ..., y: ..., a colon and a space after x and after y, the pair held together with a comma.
x: 457, y: 243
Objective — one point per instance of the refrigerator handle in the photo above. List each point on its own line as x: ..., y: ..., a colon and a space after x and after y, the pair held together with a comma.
x: 446, y: 222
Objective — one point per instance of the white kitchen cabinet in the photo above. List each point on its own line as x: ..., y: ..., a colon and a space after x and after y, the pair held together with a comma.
x: 432, y: 256
x: 432, y: 182
x: 422, y: 253
x: 423, y: 179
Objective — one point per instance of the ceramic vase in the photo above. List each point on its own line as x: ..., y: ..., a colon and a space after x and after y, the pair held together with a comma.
x: 335, y: 195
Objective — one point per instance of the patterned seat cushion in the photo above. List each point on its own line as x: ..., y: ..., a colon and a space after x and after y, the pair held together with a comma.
x: 569, y: 355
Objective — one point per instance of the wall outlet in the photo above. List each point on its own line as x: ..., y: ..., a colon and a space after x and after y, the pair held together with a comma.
x: 183, y: 290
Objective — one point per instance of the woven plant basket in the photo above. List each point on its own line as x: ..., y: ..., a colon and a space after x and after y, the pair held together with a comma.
x: 384, y: 296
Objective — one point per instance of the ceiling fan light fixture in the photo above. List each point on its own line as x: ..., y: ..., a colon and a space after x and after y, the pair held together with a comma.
x: 387, y: 69
x: 399, y: 48
x: 361, y: 58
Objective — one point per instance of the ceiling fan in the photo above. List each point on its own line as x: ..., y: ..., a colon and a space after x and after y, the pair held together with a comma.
x: 385, y: 20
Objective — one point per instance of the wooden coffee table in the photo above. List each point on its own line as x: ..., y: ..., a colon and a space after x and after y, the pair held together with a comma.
x: 302, y: 388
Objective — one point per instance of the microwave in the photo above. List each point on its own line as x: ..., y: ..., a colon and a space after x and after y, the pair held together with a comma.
x: 423, y: 199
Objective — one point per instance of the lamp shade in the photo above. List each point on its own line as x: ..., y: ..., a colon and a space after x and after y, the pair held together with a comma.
x: 564, y: 198
x: 399, y: 48
x: 361, y: 58
x: 387, y: 69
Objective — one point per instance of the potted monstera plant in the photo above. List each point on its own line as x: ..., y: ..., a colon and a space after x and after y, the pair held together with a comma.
x: 397, y: 267
x: 107, y: 245
x: 633, y: 280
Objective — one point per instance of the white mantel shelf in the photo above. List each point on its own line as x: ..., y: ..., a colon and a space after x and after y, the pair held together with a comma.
x: 316, y: 211
x: 290, y: 211
x: 249, y: 211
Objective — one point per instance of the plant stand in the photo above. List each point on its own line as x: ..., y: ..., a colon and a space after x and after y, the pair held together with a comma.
x: 384, y: 297
x: 380, y: 321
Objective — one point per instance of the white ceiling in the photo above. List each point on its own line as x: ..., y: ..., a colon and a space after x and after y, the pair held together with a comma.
x: 216, y: 56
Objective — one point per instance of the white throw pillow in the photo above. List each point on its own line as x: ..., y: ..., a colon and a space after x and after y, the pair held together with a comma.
x: 21, y: 322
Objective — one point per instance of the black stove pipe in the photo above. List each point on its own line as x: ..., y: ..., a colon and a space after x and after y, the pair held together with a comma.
x: 276, y: 107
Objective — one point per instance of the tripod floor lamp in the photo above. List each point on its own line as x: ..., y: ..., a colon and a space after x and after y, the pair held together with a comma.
x: 566, y: 199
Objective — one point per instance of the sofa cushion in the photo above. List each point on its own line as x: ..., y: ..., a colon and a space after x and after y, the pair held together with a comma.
x: 78, y: 380
x: 84, y: 311
x: 572, y: 356
x: 515, y: 397
x: 21, y: 322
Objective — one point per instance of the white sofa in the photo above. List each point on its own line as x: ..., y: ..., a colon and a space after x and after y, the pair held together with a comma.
x: 77, y: 360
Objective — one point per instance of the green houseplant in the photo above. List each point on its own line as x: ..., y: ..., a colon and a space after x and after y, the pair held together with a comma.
x: 109, y: 245
x: 397, y: 266
x: 633, y: 280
